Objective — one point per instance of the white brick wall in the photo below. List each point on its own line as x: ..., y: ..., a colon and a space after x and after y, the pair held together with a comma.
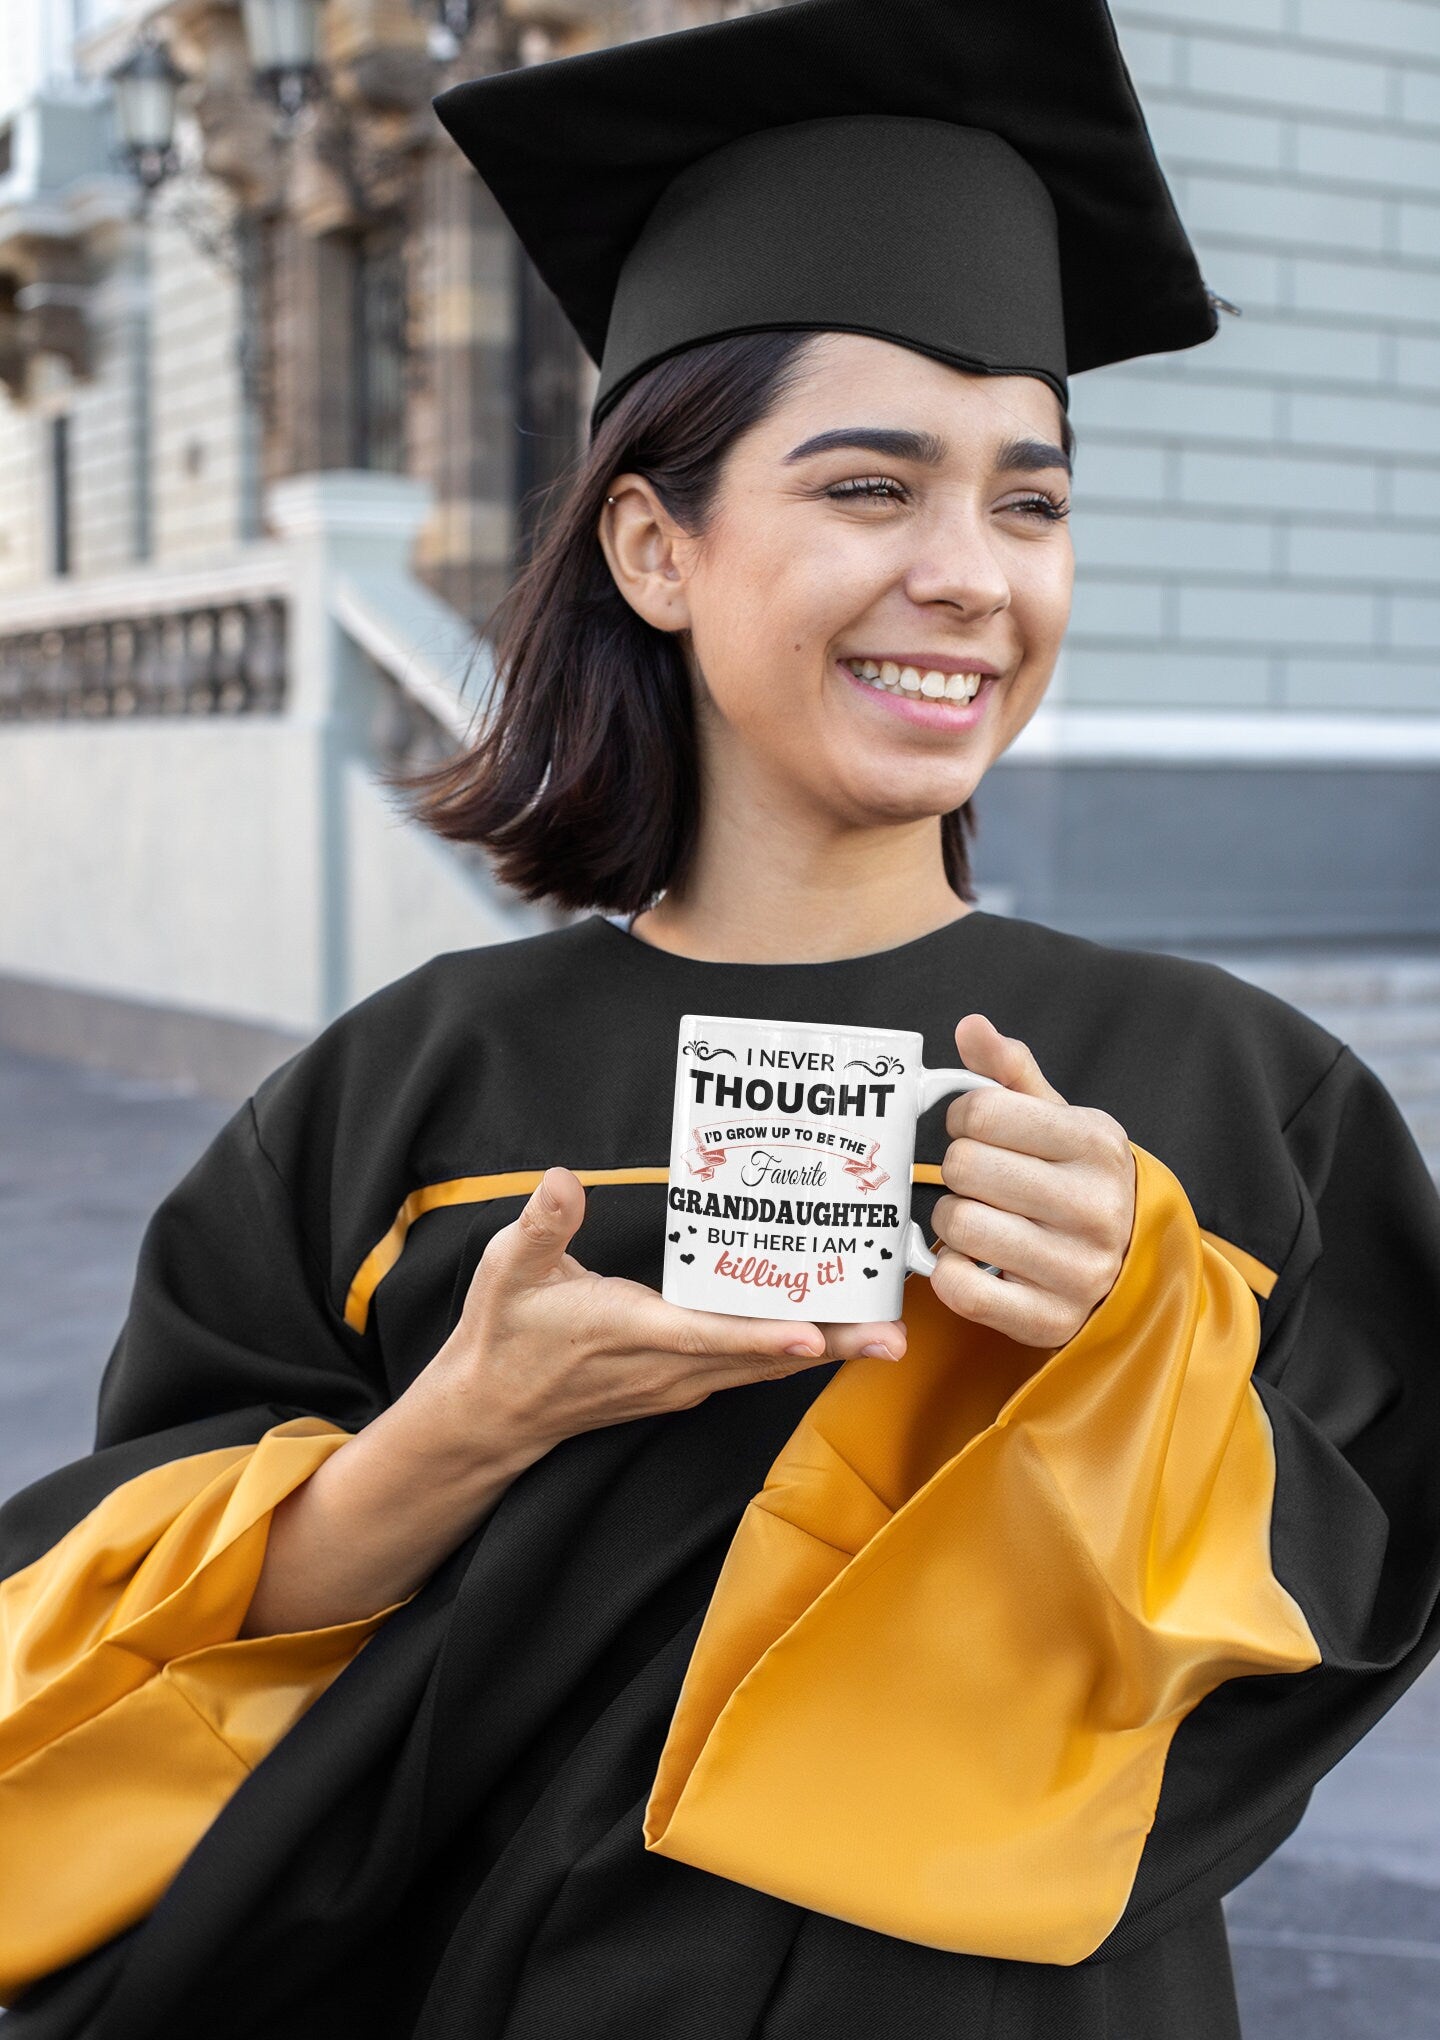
x: 1257, y: 520
x: 194, y: 424
x: 20, y: 557
x: 195, y: 433
x: 103, y: 488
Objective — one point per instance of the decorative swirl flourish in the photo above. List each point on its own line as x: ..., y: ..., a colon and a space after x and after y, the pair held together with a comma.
x: 705, y: 1052
x: 881, y: 1067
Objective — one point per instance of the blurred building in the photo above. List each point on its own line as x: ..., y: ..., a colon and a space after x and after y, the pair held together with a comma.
x: 342, y: 296
x: 1252, y: 680
x: 273, y: 442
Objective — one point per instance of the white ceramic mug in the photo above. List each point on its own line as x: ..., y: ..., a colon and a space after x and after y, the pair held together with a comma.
x: 790, y: 1157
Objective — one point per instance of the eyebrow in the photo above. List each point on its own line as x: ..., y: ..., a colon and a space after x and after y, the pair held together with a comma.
x: 1028, y: 456
x: 898, y: 444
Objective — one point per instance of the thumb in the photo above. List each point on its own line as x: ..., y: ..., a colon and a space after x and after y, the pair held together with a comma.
x: 984, y: 1049
x: 544, y: 1229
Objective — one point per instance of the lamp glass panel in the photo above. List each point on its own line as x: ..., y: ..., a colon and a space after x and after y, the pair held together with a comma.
x: 282, y: 35
x: 145, y: 107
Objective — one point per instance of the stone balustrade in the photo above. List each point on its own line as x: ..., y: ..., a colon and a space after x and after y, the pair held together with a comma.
x: 220, y: 658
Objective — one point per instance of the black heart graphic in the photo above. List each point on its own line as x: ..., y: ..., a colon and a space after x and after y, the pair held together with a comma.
x: 869, y: 1271
x: 869, y: 1243
x: 687, y: 1259
x: 886, y: 1255
x: 689, y: 1228
x: 672, y: 1236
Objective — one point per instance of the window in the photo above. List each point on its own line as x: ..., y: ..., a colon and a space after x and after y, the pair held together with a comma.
x: 378, y: 383
x: 547, y: 376
x: 60, y: 494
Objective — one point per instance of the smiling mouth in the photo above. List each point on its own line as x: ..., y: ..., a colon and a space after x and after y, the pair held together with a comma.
x: 920, y: 683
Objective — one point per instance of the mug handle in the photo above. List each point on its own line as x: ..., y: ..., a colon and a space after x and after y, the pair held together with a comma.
x: 932, y: 1086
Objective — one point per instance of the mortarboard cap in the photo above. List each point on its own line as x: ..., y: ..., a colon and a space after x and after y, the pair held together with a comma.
x: 971, y: 178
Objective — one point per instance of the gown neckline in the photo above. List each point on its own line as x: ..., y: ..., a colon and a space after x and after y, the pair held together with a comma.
x: 921, y: 949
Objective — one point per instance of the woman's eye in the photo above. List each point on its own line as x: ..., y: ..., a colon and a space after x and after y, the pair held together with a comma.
x: 1041, y: 506
x: 874, y: 486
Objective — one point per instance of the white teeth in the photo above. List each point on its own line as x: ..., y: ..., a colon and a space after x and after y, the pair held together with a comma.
x: 934, y: 685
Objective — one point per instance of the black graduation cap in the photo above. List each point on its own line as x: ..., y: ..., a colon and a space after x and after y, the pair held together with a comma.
x: 971, y: 178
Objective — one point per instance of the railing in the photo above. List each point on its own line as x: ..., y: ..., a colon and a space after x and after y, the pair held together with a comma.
x: 240, y: 715
x: 228, y: 661
x: 151, y: 645
x: 429, y: 676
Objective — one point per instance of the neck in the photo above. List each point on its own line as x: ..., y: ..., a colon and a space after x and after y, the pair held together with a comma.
x: 792, y: 888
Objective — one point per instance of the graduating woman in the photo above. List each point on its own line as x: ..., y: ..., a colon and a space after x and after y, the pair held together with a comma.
x: 449, y: 1637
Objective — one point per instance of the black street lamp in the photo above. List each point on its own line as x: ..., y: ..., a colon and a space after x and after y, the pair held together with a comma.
x: 451, y: 22
x: 457, y: 16
x: 147, y: 86
x: 283, y: 38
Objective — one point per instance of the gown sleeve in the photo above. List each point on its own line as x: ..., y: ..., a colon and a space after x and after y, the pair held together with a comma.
x: 1028, y: 1660
x: 131, y: 1708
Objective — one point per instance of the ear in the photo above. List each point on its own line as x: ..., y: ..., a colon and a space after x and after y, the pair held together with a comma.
x: 648, y: 553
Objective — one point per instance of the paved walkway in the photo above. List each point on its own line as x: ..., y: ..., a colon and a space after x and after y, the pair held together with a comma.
x: 1336, y: 1938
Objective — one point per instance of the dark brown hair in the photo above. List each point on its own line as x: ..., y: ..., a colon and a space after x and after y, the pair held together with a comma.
x: 583, y: 781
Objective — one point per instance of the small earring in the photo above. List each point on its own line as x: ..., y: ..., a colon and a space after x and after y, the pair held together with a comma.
x: 609, y: 499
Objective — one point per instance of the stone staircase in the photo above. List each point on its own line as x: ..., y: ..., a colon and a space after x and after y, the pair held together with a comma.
x: 1386, y: 1005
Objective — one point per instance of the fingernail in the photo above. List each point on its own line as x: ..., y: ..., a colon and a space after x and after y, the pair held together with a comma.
x: 878, y: 1353
x: 806, y: 1352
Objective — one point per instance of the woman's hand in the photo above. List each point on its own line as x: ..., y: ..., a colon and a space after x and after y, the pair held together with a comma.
x: 1041, y: 1189
x: 545, y: 1348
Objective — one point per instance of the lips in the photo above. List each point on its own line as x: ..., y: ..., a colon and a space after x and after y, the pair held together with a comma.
x: 936, y: 705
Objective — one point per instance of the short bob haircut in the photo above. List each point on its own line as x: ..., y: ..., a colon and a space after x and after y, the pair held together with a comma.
x: 583, y: 782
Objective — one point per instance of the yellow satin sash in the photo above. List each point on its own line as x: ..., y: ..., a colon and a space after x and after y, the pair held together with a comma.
x: 130, y: 1707
x: 957, y: 1629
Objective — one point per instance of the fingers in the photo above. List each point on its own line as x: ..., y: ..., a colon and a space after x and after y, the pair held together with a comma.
x: 1011, y: 1180
x: 1030, y: 1316
x: 1028, y: 1115
x: 842, y: 1342
x: 1035, y: 1126
x: 878, y: 1341
x: 710, y: 1334
x: 1033, y: 1253
x: 750, y: 1343
x: 990, y: 1053
x: 1080, y: 1198
x: 534, y: 1245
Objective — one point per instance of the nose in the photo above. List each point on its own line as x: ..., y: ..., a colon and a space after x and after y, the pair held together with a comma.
x: 960, y: 566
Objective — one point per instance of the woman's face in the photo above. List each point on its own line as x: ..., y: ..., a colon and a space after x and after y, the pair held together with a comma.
x: 894, y: 518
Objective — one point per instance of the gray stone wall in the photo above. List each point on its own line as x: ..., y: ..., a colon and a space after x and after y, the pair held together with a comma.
x: 1257, y: 521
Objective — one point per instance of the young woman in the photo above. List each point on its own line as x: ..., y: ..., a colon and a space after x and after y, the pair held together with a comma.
x: 450, y: 1637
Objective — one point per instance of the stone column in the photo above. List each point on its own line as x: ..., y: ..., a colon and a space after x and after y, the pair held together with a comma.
x: 465, y: 442
x: 347, y: 524
x: 310, y: 292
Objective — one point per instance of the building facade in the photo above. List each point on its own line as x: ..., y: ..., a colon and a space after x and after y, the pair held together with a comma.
x: 1252, y: 679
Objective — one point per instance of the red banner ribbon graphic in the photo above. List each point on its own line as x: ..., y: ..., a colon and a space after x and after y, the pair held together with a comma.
x: 867, y: 1172
x: 704, y: 1161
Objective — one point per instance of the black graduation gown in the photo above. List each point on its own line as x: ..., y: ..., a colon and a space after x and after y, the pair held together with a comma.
x: 449, y: 1842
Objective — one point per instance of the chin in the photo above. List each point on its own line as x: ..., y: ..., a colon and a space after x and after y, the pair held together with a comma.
x: 880, y: 808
